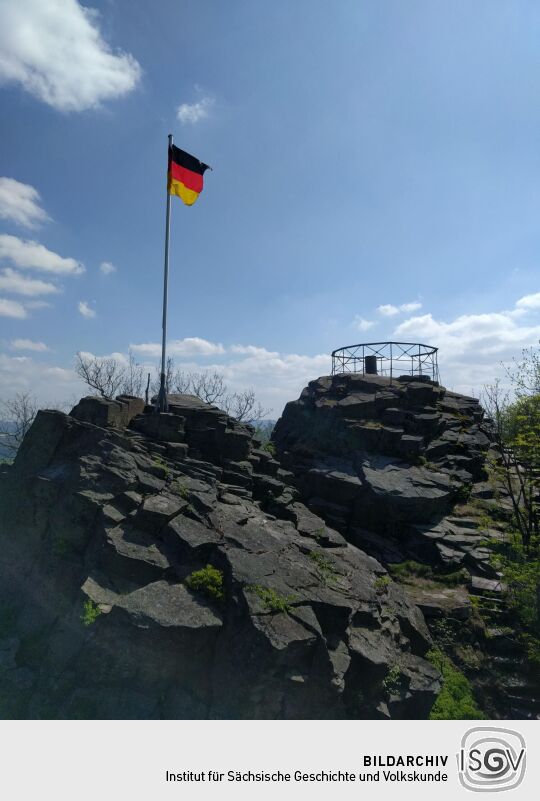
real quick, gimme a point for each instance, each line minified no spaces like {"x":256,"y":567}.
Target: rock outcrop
{"x":398,"y":468}
{"x":164,"y":565}
{"x":384,"y":462}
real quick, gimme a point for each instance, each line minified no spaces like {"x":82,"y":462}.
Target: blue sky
{"x":375,"y":176}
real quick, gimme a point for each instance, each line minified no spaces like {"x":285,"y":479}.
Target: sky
{"x":375,"y":176}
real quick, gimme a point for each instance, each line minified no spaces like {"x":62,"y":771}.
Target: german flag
{"x":185,"y":175}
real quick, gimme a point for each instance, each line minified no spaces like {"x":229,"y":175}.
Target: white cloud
{"x":86,"y":310}
{"x":30,"y":255}
{"x":389,"y":310}
{"x":12,"y":308}
{"x":361,"y":324}
{"x":12,"y":281}
{"x":276,"y":377}
{"x":529,"y":302}
{"x":20,"y":203}
{"x":28,"y":344}
{"x":472,"y":347}
{"x":51,"y":384}
{"x":106,"y":267}
{"x":191,"y":113}
{"x":55,"y":51}
{"x":190,"y":346}
{"x":253,"y":350}
{"x":410,"y":307}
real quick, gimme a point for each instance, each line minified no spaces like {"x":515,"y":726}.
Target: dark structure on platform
{"x":390,"y":359}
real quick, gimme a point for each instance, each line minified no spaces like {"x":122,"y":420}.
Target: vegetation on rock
{"x":90,"y":613}
{"x":455,"y":701}
{"x":271,"y":599}
{"x":208,"y":581}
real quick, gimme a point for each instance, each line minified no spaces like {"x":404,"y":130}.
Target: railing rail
{"x":390,"y":359}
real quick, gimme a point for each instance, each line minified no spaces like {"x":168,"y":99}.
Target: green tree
{"x":516,"y":418}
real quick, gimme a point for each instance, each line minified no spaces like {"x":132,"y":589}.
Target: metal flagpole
{"x":162,"y":395}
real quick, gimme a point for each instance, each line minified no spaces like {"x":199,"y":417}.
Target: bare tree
{"x":134,"y":377}
{"x":181,"y":382}
{"x":18,"y":415}
{"x":104,"y":376}
{"x":209,"y":387}
{"x":245,"y":407}
{"x":109,"y":377}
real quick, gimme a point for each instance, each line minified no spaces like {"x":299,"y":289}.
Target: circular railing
{"x":391,"y":359}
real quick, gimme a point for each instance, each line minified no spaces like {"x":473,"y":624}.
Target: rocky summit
{"x":165,"y":565}
{"x":162,"y":566}
{"x":400,"y":469}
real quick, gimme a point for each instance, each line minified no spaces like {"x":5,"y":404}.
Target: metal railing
{"x":390,"y":359}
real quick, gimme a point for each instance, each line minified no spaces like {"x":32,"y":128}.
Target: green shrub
{"x":381,"y":584}
{"x":463,"y":493}
{"x":208,"y":581}
{"x":455,"y":701}
{"x":91,"y":612}
{"x":163,"y":468}
{"x":325,"y":567}
{"x":393,"y":680}
{"x":179,"y":487}
{"x":409,"y":568}
{"x":532,"y":645}
{"x":403,"y":571}
{"x":272,"y":600}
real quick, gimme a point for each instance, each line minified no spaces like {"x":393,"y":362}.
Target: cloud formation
{"x":191,"y":113}
{"x":28,"y":344}
{"x":389,"y":310}
{"x":14,"y":282}
{"x":361,"y":324}
{"x":472,"y":347}
{"x":51,"y":384}
{"x":190,"y":346}
{"x":12,"y":308}
{"x":86,"y":310}
{"x":471,"y":350}
{"x":54,"y":50}
{"x":30,"y":255}
{"x":106,"y":267}
{"x":19,"y":203}
{"x":529,"y":301}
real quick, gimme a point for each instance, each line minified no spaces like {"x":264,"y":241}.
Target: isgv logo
{"x":491,"y":760}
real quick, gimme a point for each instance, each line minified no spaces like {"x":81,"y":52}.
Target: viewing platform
{"x":388,"y":359}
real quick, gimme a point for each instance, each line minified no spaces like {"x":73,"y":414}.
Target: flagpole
{"x":162,"y":395}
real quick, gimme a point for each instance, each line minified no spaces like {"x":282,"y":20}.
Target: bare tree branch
{"x":105,"y":376}
{"x":245,"y":407}
{"x":18,"y":415}
{"x":181,"y":382}
{"x":109,"y":377}
{"x":209,"y":387}
{"x":134,"y":378}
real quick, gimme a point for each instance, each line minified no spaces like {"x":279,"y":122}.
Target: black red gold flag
{"x":185,"y":175}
